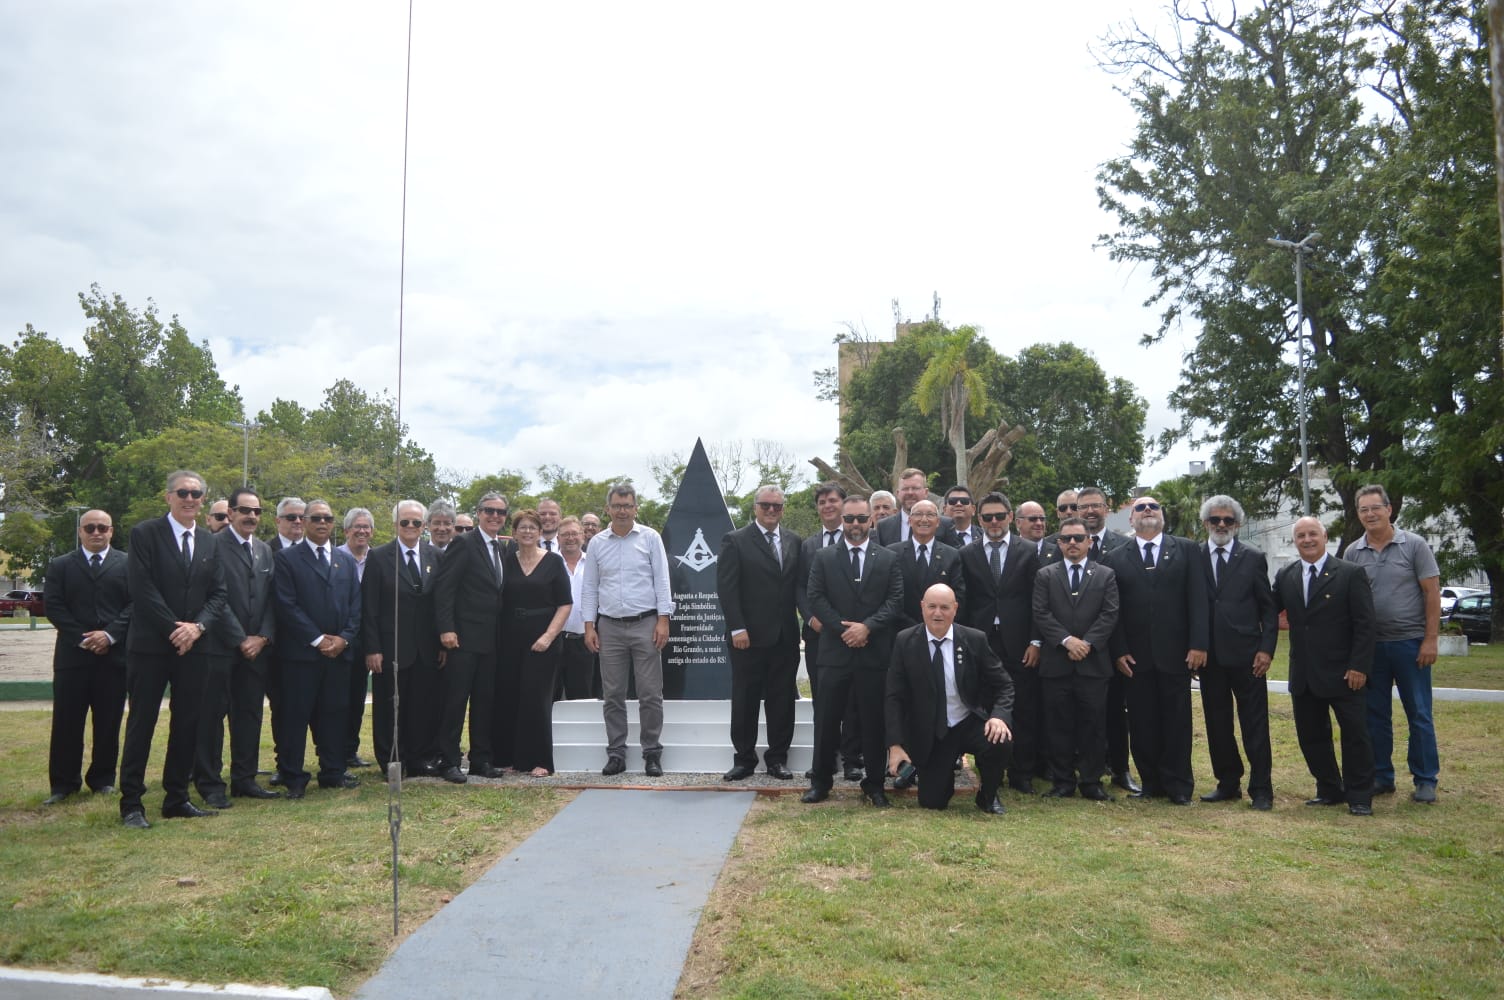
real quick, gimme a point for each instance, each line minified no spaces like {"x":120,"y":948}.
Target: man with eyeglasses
{"x":999,"y":573}
{"x":959,"y":508}
{"x":1075,"y":606}
{"x":627,"y":606}
{"x":1065,"y":505}
{"x":88,"y":598}
{"x":177,"y":595}
{"x":1032,"y":526}
{"x":1159,"y":644}
{"x":829,"y":497}
{"x":913,"y":486}
{"x":218,"y":516}
{"x":467,"y":614}
{"x":590,"y":526}
{"x":856,"y":591}
{"x":440,"y":525}
{"x":401,"y":642}
{"x":359,"y":527}
{"x":755,"y":575}
{"x":239,"y":652}
{"x":1407,"y":598}
{"x":924,"y":560}
{"x":1243,"y":628}
{"x":289,"y":523}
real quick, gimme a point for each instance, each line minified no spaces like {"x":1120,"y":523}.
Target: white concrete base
{"x":696,"y":736}
{"x":27,"y":984}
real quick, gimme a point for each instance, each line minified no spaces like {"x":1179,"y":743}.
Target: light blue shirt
{"x":626,"y":575}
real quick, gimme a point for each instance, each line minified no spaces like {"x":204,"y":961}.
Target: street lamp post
{"x":1301,"y":249}
{"x":247,"y":426}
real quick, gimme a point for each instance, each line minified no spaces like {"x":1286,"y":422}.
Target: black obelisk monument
{"x":696,"y":662}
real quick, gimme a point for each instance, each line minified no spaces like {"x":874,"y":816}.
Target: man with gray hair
{"x":290,"y":526}
{"x":627,"y":606}
{"x":1243,"y":629}
{"x":441,"y":524}
{"x":1407,"y":601}
{"x":884,"y":505}
{"x":359,"y":525}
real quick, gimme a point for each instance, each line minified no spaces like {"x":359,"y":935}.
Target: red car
{"x":29,"y":601}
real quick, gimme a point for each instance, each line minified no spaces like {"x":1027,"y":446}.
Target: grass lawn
{"x":1482,"y":667}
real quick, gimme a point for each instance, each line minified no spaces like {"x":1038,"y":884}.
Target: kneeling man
{"x":948,"y":694}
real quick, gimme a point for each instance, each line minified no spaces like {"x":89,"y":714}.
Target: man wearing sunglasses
{"x":178,"y":595}
{"x":289,"y":523}
{"x":88,"y":598}
{"x":1032,"y":526}
{"x":239,"y":654}
{"x":1244,"y":629}
{"x":1159,"y":644}
{"x":467,"y":614}
{"x":219,"y":516}
{"x":856,"y":591}
{"x":755,"y":576}
{"x":959,"y":508}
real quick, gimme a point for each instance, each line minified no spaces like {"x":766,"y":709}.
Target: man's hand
{"x":592,"y":638}
{"x":373,"y":662}
{"x":1355,"y":680}
{"x":856,"y":634}
{"x":184,"y":636}
{"x":1427,"y":655}
{"x":1125,"y":664}
{"x":660,"y":632}
{"x":741,"y":640}
{"x":332,"y":646}
{"x":451,"y":640}
{"x":896,"y":758}
{"x":814,"y":623}
{"x":1195,"y":659}
{"x":252,"y":645}
{"x":1076,"y":649}
{"x":96,"y":642}
{"x":1031,"y":656}
{"x":1261,"y":662}
{"x":997,"y":731}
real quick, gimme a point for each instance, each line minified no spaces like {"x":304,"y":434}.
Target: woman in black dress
{"x":535,"y":599}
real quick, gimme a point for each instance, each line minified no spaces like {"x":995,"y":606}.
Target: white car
{"x":1449,"y":596}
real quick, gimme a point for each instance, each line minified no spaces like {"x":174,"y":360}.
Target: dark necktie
{"x":938,"y":660}
{"x":323,"y":559}
{"x":773,"y":543}
{"x":922,"y":563}
{"x":830,"y":537}
{"x":856,"y":564}
{"x":1310,"y":585}
{"x":995,"y":561}
{"x":187,"y":549}
{"x":1096,"y":549}
{"x":548,"y":544}
{"x":1221,"y":564}
{"x":412,"y":568}
{"x":1148,"y":555}
{"x":1075,"y":579}
{"x":250,"y":553}
{"x":496,"y":547}
{"x":94,"y":562}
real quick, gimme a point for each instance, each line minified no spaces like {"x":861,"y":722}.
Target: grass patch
{"x":1069,"y":899}
{"x":1482,"y":667}
{"x":274,"y":892}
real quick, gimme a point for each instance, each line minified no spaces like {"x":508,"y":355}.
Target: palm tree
{"x":951,"y":383}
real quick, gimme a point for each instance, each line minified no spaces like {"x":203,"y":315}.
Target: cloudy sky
{"x":627,"y":225}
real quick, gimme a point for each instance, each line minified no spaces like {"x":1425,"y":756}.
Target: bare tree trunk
{"x":1496,"y":66}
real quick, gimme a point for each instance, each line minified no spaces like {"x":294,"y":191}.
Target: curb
{"x":28,"y":984}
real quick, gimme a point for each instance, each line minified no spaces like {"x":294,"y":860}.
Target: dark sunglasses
{"x":1222,"y":522}
{"x":958,"y":501}
{"x":764,"y":505}
{"x":185,"y":494}
{"x":248,"y":510}
{"x":218,"y":516}
{"x":319,"y":518}
{"x":494,"y":511}
{"x":989,"y":518}
{"x":1139,"y":508}
{"x":1064,"y":507}
{"x":462,"y":528}
{"x":1031,"y":517}
{"x":856,"y":518}
{"x":410,"y":522}
{"x":96,"y":529}
{"x":291,"y":517}
{"x":1073,"y":539}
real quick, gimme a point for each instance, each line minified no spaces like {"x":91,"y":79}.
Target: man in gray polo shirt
{"x":1407,"y":600}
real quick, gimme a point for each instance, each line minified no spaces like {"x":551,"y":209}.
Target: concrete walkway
{"x":602,"y":901}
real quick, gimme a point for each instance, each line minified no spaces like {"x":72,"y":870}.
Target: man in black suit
{"x":828,"y":499}
{"x":318,"y":620}
{"x":289,"y":525}
{"x":177,"y":596}
{"x":1243,"y":628}
{"x":1075,"y":611}
{"x":924,"y":561}
{"x":1159,"y":643}
{"x":961,"y":508}
{"x":755,"y":576}
{"x":88,"y":598}
{"x":467,"y":613}
{"x":1333,"y":629}
{"x":913,"y":486}
{"x":1031,"y":526}
{"x":856,"y":591}
{"x":999,"y":573}
{"x":239,"y":654}
{"x":402,"y":642}
{"x":1091,"y":502}
{"x":948,"y":694}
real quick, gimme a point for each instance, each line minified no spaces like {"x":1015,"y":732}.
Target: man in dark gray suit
{"x":239,"y":654}
{"x":1243,"y":628}
{"x":88,"y":598}
{"x":1333,"y":629}
{"x":913,"y":486}
{"x":755,"y":576}
{"x":1075,"y":611}
{"x":828,"y":499}
{"x":924,"y":561}
{"x":856,"y":591}
{"x":178,"y":595}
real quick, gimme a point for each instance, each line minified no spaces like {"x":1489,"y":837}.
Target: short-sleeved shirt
{"x":1395,"y":572}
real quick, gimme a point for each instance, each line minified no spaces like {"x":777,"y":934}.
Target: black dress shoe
{"x":738,"y":772}
{"x":485,"y":771}
{"x":1177,"y":799}
{"x":1142,"y":793}
{"x":1383,"y":789}
{"x":1058,"y":791}
{"x":453,"y":774}
{"x":1322,"y":800}
{"x":343,"y":781}
{"x":994,"y":807}
{"x":105,"y":790}
{"x":879,"y":798}
{"x":614,"y":765}
{"x":1022,"y":787}
{"x":275,"y":780}
{"x":815,"y":795}
{"x":652,"y":766}
{"x":1360,"y":809}
{"x":254,"y":791}
{"x":809,"y":774}
{"x":55,"y":798}
{"x":296,"y":791}
{"x":1123,"y":780}
{"x":854,"y":773}
{"x":1263,"y":803}
{"x":186,"y":810}
{"x":1096,"y":793}
{"x":780,"y":771}
{"x":136,"y":820}
{"x":1222,"y":795}
{"x":217,"y":800}
{"x":357,"y":761}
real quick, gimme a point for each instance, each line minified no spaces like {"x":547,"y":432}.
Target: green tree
{"x":950,"y":383}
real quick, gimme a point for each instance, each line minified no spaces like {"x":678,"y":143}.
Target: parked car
{"x":1449,"y":596}
{"x":27,"y":600}
{"x":1475,"y":614}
